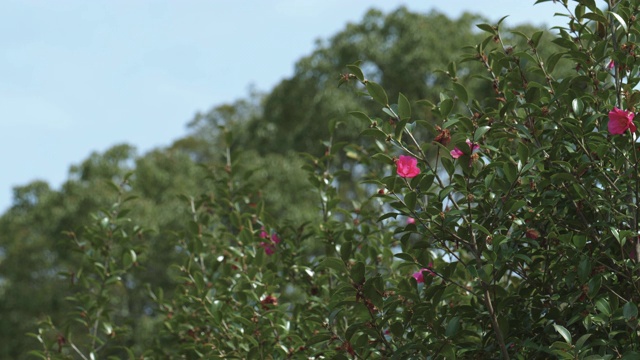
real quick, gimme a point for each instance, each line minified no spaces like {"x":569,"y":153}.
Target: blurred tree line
{"x":271,"y":129}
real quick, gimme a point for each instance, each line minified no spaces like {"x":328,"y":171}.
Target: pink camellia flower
{"x":411,"y":220}
{"x":611,"y":65}
{"x":419,"y":276}
{"x":620,"y":121}
{"x":269,"y":248}
{"x":456,"y":153}
{"x":407,"y":166}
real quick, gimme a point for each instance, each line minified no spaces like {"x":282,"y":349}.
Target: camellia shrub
{"x":508,"y":229}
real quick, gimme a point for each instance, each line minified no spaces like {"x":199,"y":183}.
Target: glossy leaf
{"x":566,"y":335}
{"x":377,"y":93}
{"x":404,"y":107}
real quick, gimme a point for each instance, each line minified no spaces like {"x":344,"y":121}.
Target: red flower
{"x":456,"y":153}
{"x":532,"y":234}
{"x":407,"y":166}
{"x":268,"y":300}
{"x":620,"y":121}
{"x":269,"y":248}
{"x":419,"y":276}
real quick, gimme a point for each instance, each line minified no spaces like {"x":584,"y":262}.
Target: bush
{"x":510,"y":229}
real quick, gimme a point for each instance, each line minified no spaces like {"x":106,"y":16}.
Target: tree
{"x":313,"y":267}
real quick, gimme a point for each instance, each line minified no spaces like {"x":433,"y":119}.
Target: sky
{"x":80,"y":76}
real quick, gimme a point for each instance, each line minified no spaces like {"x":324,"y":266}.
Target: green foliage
{"x":532,"y":238}
{"x":108,"y":250}
{"x":486,"y":210}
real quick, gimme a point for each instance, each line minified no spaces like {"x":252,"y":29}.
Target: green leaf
{"x":377,"y":93}
{"x":501,"y":20}
{"x":480,"y":132}
{"x":107,"y":328}
{"x":444,"y":193}
{"x":361,"y":116}
{"x":386,"y":216}
{"x":448,"y":352}
{"x":472,"y":271}
{"x":552,"y":60}
{"x":523,"y":257}
{"x":578,"y":106}
{"x":405,"y":257}
{"x":523,"y":152}
{"x":452,"y":69}
{"x":446,"y":106}
{"x":426,"y":182}
{"x":565,"y":43}
{"x":510,"y":172}
{"x":628,"y":355}
{"x":630,"y":311}
{"x":383,"y":158}
{"x":563,"y":332}
{"x":579,"y":241}
{"x":400,"y":126}
{"x":389,"y":111}
{"x":345,"y":251}
{"x":615,"y":234}
{"x":535,"y":38}
{"x":356,"y":71}
{"x":410,"y":200}
{"x":579,"y":11}
{"x":453,"y":326}
{"x":448,"y":165}
{"x":332,"y":263}
{"x":581,"y":341}
{"x":594,"y":286}
{"x":372,"y":290}
{"x":129,"y":258}
{"x":113,"y":280}
{"x":620,"y":20}
{"x":488,"y":28}
{"x":480,"y":228}
{"x":603,"y":306}
{"x":584,"y":269}
{"x":318,"y":339}
{"x":404,"y":107}
{"x":461,"y":92}
{"x":353,"y":329}
{"x":397,"y":329}
{"x":374,"y":132}
{"x":596,"y":17}
{"x":357,"y":272}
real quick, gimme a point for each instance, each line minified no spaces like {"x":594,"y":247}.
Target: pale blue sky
{"x":78,"y":76}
